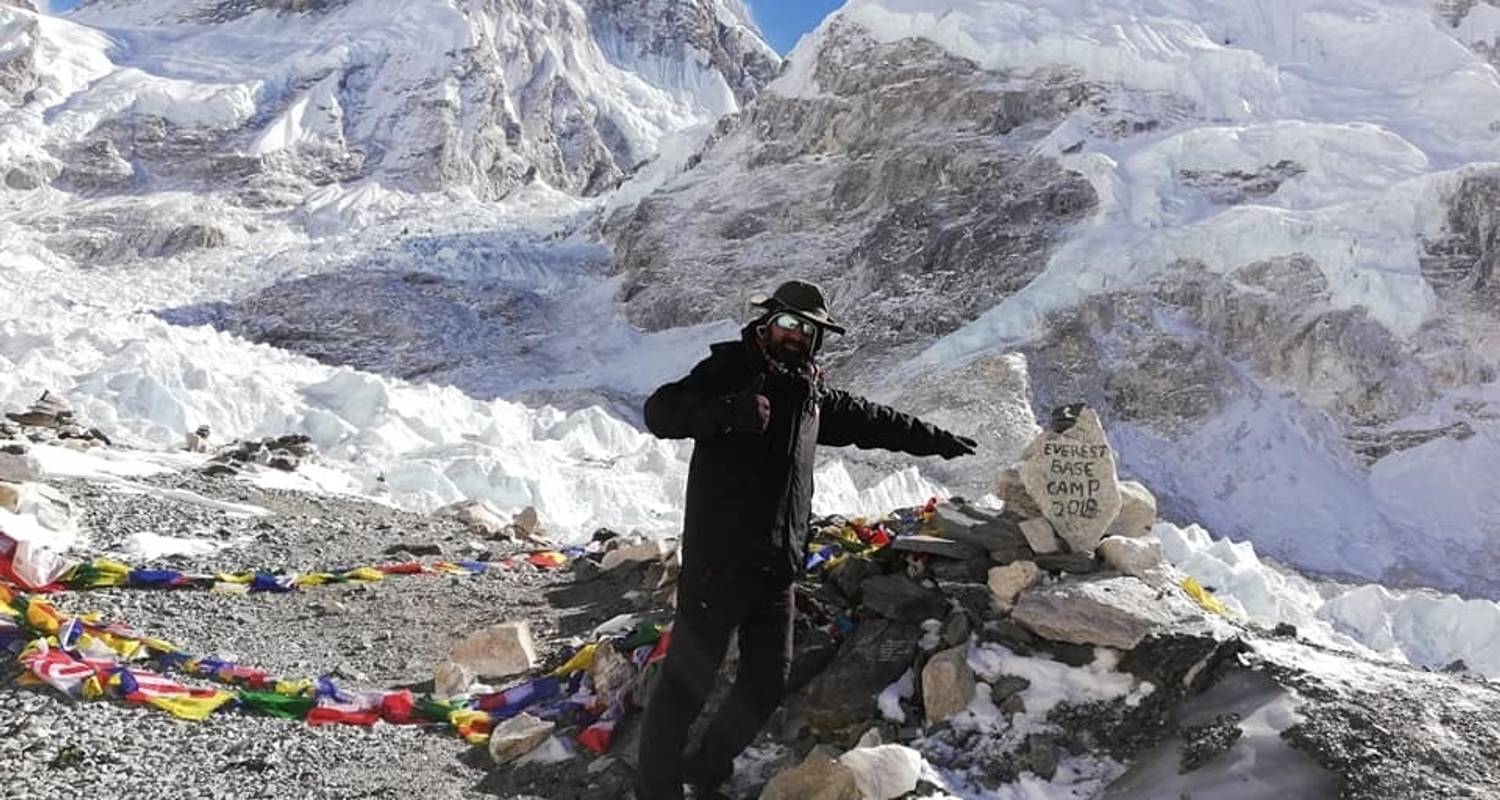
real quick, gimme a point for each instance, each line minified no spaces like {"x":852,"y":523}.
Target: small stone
{"x":947,"y":569}
{"x":610,"y":671}
{"x":518,"y":736}
{"x":451,"y":679}
{"x":1011,"y":491}
{"x":196,"y":441}
{"x":1040,"y":536}
{"x":1007,"y":686}
{"x":948,"y":684}
{"x":19,"y":467}
{"x":957,"y":628}
{"x":1007,"y":582}
{"x":898,"y":597}
{"x":412,"y":548}
{"x":1074,"y":655}
{"x":643,"y":549}
{"x":1137,"y":556}
{"x":937,"y":546}
{"x":527,"y":525}
{"x":480,"y":516}
{"x":819,"y":777}
{"x":884,"y":771}
{"x":1074,"y":563}
{"x":497,"y":651}
{"x":1013,"y":705}
{"x":1007,"y":632}
{"x":1137,"y":511}
{"x":848,"y":574}
{"x":10,"y":497}
{"x":220,"y":470}
{"x":1039,"y":756}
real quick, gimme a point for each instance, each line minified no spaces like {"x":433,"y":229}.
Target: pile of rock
{"x":891,"y":625}
{"x":51,"y":420}
{"x":1067,"y":567}
{"x":285,"y":453}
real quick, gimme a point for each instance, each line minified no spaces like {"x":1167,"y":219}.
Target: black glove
{"x":750,"y":411}
{"x":951,"y":445}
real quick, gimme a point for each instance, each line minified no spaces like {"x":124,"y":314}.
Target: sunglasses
{"x":792,"y":322}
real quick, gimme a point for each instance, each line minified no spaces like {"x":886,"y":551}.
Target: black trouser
{"x":710,"y":606}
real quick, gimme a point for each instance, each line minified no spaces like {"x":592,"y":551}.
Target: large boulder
{"x":1071,"y":474}
{"x":498,"y":651}
{"x":1116,"y":612}
{"x":869,"y":661}
{"x":948,"y":684}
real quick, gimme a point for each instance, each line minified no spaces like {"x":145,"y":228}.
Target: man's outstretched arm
{"x":691,"y":408}
{"x":852,"y":420}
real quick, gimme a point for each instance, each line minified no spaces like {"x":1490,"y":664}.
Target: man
{"x":757,"y":409}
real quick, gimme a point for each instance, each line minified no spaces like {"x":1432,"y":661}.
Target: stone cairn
{"x":1066,"y":569}
{"x":50,"y":420}
{"x":285,"y":453}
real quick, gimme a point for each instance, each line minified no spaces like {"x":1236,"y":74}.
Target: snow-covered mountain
{"x":162,"y":156}
{"x":1257,"y":239}
{"x":456,"y":242}
{"x":1260,"y":246}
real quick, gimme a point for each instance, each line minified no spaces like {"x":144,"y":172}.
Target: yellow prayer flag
{"x":1204,"y":597}
{"x":196,"y":709}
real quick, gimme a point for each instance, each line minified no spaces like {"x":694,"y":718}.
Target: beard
{"x":791,"y":351}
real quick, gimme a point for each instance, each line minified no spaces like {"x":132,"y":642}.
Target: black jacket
{"x":749,"y":495}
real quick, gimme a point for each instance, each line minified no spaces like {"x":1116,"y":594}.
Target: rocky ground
{"x":1359,"y":729}
{"x":372,"y":635}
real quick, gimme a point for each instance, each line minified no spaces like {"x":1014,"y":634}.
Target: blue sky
{"x":782,"y":21}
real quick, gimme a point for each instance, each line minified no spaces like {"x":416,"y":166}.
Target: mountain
{"x":454,"y":244}
{"x":1263,"y":252}
{"x":1262,"y":247}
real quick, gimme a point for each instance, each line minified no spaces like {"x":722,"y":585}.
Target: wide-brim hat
{"x":802,"y":298}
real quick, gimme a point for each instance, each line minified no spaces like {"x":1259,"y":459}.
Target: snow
{"x":1052,"y":683}
{"x":150,"y":546}
{"x":1258,"y":764}
{"x":1367,"y":150}
{"x":890,"y":698}
{"x":1423,"y":628}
